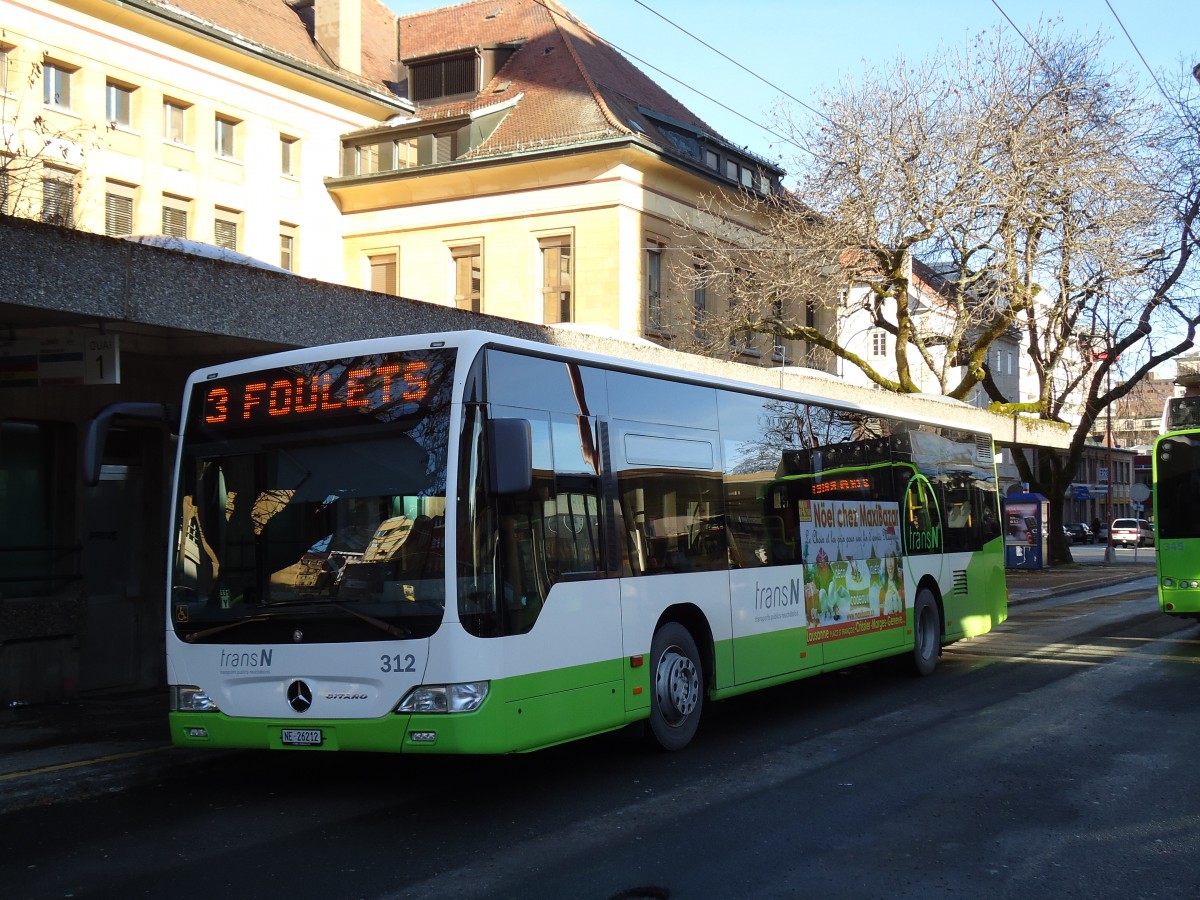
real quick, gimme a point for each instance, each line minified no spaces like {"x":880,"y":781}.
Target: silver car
{"x":1132,"y":532}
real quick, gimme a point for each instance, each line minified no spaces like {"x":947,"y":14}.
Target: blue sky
{"x":798,"y":46}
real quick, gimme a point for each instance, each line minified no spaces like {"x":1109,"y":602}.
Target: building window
{"x":225,"y":229}
{"x":118,"y":209}
{"x":712,"y":160}
{"x":445,"y":78}
{"x":175,"y":121}
{"x":654,"y":293}
{"x":175,"y":216}
{"x":118,"y":104}
{"x":5,"y":60}
{"x":379,"y":156}
{"x":700,"y":298}
{"x":56,"y":85}
{"x":879,"y":343}
{"x":778,"y":351}
{"x":747,"y":178}
{"x":468,"y":276}
{"x":225,"y":143}
{"x":58,"y":198}
{"x":4,"y":191}
{"x":731,"y":169}
{"x":287,"y":246}
{"x":385,"y":269}
{"x":289,"y":155}
{"x":557,"y":279}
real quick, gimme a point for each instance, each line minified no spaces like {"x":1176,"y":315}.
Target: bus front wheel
{"x":927,"y":632}
{"x":677,"y":689}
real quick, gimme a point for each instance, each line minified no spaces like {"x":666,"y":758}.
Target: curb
{"x":1084,"y":583}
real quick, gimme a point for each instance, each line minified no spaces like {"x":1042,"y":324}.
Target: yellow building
{"x":498,"y":158}
{"x":209,"y":120}
{"x":493,"y":157}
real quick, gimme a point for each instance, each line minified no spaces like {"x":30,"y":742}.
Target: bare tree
{"x":40,"y":161}
{"x":1048,"y":192}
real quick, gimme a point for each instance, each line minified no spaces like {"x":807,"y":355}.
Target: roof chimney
{"x":338,"y":24}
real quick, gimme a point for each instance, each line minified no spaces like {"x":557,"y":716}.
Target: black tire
{"x":927,"y":633}
{"x":676,"y":687}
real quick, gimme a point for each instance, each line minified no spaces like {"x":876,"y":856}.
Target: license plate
{"x":301,"y":737}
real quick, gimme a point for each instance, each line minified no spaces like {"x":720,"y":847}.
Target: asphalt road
{"x":1051,"y":757}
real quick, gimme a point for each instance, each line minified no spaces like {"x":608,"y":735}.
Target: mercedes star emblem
{"x":299,"y":697}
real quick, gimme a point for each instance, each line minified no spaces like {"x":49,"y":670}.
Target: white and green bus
{"x":465,"y":543}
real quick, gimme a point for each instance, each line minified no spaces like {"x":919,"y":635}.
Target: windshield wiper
{"x":217,"y":629}
{"x":393,"y":630}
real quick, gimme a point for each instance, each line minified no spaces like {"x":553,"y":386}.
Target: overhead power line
{"x":728,"y":58}
{"x":690,"y":87}
{"x":1138,"y":51}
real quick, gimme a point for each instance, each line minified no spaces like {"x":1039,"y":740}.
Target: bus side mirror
{"x":510,"y":445}
{"x":97,"y":430}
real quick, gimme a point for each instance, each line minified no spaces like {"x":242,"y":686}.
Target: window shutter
{"x":118,"y":215}
{"x":58,"y":201}
{"x":225,"y":234}
{"x":383,"y":274}
{"x":174,"y":222}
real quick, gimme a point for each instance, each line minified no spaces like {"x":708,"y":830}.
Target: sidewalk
{"x":68,"y":751}
{"x":1025,"y":585}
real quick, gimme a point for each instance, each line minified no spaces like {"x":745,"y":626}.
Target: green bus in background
{"x":1177,"y":522}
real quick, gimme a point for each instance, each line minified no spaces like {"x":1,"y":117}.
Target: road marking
{"x":132,"y":754}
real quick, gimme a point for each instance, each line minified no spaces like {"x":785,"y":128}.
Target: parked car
{"x":1080,"y":533}
{"x":1132,"y":532}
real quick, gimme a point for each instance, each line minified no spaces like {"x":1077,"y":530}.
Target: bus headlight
{"x":1168,"y":582}
{"x":444,"y":698}
{"x":189,"y":698}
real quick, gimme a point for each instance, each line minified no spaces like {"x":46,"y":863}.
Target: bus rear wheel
{"x":927,"y":633}
{"x":677,"y":688}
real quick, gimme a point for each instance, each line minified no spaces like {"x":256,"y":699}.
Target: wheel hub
{"x":677,"y":685}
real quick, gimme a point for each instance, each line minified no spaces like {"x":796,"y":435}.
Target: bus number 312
{"x":398,"y":663}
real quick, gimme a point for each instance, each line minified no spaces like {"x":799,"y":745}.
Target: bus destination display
{"x":385,"y":387}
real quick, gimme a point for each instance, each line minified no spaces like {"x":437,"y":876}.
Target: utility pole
{"x":1108,"y":439}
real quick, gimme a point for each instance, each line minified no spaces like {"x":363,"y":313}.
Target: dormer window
{"x":447,"y":77}
{"x":368,"y":155}
{"x":457,"y":75}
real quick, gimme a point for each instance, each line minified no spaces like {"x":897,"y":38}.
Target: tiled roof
{"x":275,"y":25}
{"x":574,"y":87}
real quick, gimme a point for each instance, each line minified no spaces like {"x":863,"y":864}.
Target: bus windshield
{"x":329,"y":532}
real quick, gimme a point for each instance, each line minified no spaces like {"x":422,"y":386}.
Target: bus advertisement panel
{"x":854,"y":580}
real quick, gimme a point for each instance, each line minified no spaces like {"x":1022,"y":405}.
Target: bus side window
{"x":779,"y":527}
{"x":551,"y":532}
